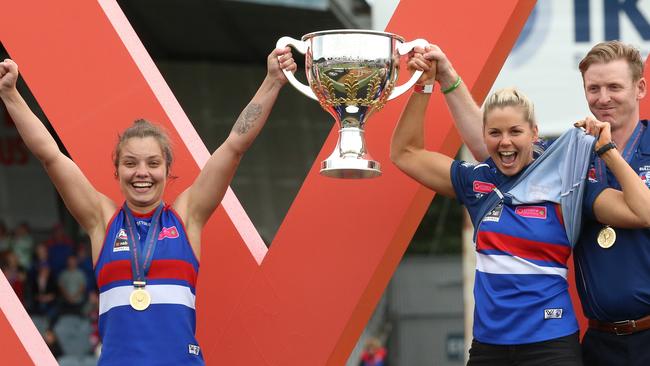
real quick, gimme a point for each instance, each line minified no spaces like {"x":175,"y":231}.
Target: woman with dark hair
{"x":146,"y":252}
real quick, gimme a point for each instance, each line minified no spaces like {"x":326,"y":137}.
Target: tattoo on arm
{"x":247,"y":118}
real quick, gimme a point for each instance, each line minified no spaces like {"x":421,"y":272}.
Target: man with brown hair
{"x":612,"y":265}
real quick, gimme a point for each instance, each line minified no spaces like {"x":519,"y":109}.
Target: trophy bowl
{"x":352,"y":74}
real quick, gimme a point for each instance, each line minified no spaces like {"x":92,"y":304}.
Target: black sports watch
{"x":605,"y":148}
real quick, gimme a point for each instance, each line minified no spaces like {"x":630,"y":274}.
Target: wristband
{"x":453,"y":87}
{"x":605,"y":148}
{"x":423,"y":89}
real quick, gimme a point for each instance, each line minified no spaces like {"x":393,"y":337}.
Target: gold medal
{"x":140,"y":299}
{"x":606,"y":237}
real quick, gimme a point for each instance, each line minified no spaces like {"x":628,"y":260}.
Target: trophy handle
{"x":403,"y":49}
{"x":301,"y":47}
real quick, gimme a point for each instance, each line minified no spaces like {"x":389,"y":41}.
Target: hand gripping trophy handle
{"x":302,"y":47}
{"x":403,"y":49}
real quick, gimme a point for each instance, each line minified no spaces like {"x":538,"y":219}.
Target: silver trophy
{"x":352,"y":74}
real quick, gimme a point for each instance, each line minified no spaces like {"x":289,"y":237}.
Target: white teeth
{"x":507,"y":153}
{"x":142,"y":185}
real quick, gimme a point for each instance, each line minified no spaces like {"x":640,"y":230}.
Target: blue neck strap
{"x":140,"y":262}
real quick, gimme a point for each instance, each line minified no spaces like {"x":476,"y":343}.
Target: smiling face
{"x":509,"y":138}
{"x":142,"y":173}
{"x":612,"y":94}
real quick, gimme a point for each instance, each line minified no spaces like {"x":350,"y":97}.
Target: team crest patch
{"x":168,"y":232}
{"x":495,"y":214}
{"x":482,"y":187}
{"x":121,"y":242}
{"x":534,"y":212}
{"x":552,"y":313}
{"x":591,"y":175}
{"x":193,"y":349}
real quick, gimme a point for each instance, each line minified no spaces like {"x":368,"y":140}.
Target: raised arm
{"x":89,"y":207}
{"x":629,"y":208}
{"x":197,"y":203}
{"x":466,"y":113}
{"x":407,"y":151}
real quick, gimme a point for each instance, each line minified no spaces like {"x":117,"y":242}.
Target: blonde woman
{"x":523,"y":312}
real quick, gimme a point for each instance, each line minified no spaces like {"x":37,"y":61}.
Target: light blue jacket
{"x":558,"y":175}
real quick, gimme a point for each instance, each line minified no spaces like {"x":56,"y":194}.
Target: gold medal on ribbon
{"x":140,"y":299}
{"x":606,"y":237}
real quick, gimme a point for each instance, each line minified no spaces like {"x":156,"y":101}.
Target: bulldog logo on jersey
{"x":168,"y":232}
{"x":121,"y":242}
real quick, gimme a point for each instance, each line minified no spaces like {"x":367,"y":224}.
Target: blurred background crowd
{"x":52,"y":275}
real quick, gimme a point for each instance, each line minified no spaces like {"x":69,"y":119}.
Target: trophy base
{"x":350,"y":168}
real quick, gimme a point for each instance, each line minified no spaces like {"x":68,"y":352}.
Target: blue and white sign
{"x":544,"y":61}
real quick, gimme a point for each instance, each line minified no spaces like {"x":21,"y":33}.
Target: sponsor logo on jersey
{"x":143,"y":223}
{"x":495,"y":214}
{"x":121,"y":243}
{"x":193,"y":349}
{"x":534,"y":212}
{"x":552,"y":313}
{"x":168,"y":232}
{"x":482,"y":187}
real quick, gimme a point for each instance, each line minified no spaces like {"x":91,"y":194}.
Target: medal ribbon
{"x":140,"y":263}
{"x":630,"y":148}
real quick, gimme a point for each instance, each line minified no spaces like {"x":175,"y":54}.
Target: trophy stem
{"x":350,"y":159}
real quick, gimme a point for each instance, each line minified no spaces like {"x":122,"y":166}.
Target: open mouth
{"x":141,"y":186}
{"x":507,"y":157}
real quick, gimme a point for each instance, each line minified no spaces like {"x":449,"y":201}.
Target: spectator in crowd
{"x":72,"y":286}
{"x":374,"y":354}
{"x":91,"y":311}
{"x":15,"y":274}
{"x":60,"y":247}
{"x":85,"y":262}
{"x":5,"y":239}
{"x":53,"y":343}
{"x":23,"y":244}
{"x":43,"y":292}
{"x":41,"y":257}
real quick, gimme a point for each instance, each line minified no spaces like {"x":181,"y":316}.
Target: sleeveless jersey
{"x":162,"y":334}
{"x":521,"y":291}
